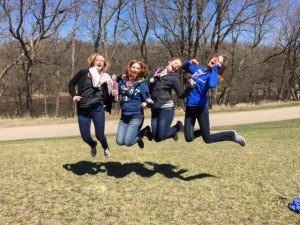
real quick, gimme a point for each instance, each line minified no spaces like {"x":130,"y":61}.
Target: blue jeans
{"x":129,"y":130}
{"x":192,"y":113}
{"x":161,"y":120}
{"x":85,"y":116}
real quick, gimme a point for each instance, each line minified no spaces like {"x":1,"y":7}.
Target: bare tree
{"x":138,"y":25}
{"x":30,"y":23}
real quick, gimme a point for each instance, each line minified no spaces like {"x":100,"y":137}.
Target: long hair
{"x":142,"y":74}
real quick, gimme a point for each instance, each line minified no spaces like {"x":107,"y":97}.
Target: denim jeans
{"x":161,"y":120}
{"x":129,"y":130}
{"x":202,"y":115}
{"x":95,"y":113}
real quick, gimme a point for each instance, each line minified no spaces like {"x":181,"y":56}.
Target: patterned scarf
{"x":99,"y":79}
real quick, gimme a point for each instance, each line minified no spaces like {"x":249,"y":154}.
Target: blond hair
{"x":92,"y":58}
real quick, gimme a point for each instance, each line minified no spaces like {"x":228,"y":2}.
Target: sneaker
{"x":94,"y":150}
{"x":141,"y":143}
{"x":179,"y":126}
{"x":239,"y":139}
{"x":175,"y":136}
{"x":148,"y":133}
{"x":107,"y":153}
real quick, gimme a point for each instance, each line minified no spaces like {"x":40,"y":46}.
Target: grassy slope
{"x":55,"y":181}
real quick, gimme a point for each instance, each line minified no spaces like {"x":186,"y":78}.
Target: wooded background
{"x":44,"y":43}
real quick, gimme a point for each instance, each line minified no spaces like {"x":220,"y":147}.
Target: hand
{"x":194,"y":62}
{"x":149,"y":101}
{"x":192,"y":83}
{"x":76,"y":99}
{"x":144,"y":105}
{"x":114,"y":92}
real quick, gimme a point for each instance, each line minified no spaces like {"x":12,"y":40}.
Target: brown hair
{"x":92,"y":58}
{"x":224,"y":65}
{"x":144,"y":69}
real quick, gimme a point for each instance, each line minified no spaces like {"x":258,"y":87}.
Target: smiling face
{"x":174,"y":66}
{"x":135,"y":70}
{"x":215,"y":60}
{"x":99,"y":63}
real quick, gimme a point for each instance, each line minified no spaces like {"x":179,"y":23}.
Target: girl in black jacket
{"x":94,"y":87}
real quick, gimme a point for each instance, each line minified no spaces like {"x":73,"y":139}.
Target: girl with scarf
{"x":93,"y":98}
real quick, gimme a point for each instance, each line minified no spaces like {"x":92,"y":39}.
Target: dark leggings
{"x":202,"y":115}
{"x":85,"y":116}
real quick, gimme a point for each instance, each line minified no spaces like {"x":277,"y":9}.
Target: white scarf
{"x":100,"y":78}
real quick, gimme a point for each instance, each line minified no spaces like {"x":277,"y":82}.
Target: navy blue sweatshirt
{"x":132,"y":97}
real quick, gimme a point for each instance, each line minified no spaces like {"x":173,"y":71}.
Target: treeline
{"x":44,"y":43}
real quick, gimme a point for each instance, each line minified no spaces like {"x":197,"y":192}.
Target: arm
{"x":214,"y":78}
{"x":73,"y":82}
{"x":190,"y":66}
{"x":180,"y":92}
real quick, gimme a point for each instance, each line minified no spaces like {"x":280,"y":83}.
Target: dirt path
{"x":217,"y":119}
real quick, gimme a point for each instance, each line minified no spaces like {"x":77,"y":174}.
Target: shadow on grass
{"x":119,"y":170}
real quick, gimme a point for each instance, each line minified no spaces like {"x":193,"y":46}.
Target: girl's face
{"x":99,"y":63}
{"x":174,"y":65}
{"x":216,"y":60}
{"x":135,"y":69}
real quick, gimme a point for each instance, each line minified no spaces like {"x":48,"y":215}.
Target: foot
{"x":179,"y":126}
{"x":148,"y":133}
{"x":94,"y":150}
{"x":107,"y":153}
{"x":141,"y":143}
{"x":239,"y":139}
{"x":175,"y":136}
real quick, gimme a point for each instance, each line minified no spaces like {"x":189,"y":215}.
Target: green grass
{"x":55,"y":181}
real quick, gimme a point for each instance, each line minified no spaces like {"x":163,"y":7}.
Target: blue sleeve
{"x":190,"y":68}
{"x":214,"y":78}
{"x":145,"y":91}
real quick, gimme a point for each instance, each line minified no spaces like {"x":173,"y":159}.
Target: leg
{"x":165,"y":120}
{"x":205,"y":130}
{"x":189,"y":123}
{"x":154,"y":122}
{"x":133,"y":133}
{"x":98,"y":117}
{"x":84,"y":121}
{"x":122,"y":128}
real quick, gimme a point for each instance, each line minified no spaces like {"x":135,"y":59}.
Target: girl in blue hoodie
{"x":205,"y":78}
{"x":134,"y":97}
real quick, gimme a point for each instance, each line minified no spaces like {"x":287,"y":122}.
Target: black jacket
{"x":96,"y":95}
{"x":161,"y":87}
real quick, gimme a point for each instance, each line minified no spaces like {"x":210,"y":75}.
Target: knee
{"x":119,"y":142}
{"x":206,"y":140}
{"x":188,"y":139}
{"x":128,"y":143}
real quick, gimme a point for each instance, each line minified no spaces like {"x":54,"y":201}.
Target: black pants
{"x":202,"y":115}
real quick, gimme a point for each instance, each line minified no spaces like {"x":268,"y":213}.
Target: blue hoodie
{"x":131,"y":99}
{"x":204,"y":81}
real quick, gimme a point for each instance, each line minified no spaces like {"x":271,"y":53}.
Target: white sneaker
{"x":107,"y":153}
{"x":239,"y":139}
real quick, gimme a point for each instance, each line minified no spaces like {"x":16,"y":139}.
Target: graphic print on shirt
{"x":127,"y":93}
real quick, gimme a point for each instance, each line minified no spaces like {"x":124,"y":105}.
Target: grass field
{"x":55,"y":181}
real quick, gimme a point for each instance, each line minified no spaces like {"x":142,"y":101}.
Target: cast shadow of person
{"x":119,"y":170}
